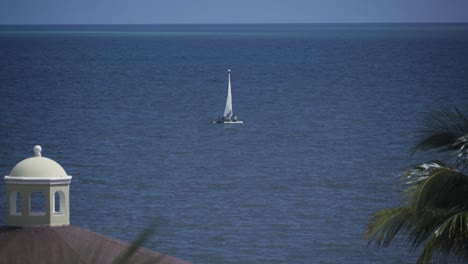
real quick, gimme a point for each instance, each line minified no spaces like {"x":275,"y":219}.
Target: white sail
{"x":228,"y":117}
{"x":228,"y":108}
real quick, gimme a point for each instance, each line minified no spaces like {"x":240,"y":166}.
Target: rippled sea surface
{"x":329,"y":111}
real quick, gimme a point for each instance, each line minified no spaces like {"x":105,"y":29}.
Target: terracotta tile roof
{"x":69,"y":244}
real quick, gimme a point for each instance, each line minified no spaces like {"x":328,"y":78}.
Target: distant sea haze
{"x":330,"y":113}
{"x":311,"y":29}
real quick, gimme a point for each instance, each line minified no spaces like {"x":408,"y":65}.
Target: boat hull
{"x":227,"y":122}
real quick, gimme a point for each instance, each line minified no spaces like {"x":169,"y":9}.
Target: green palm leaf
{"x":436,"y":200}
{"x":445,"y":188}
{"x":445,"y":130}
{"x":386,"y":224}
{"x":434,"y":215}
{"x":450,"y":240}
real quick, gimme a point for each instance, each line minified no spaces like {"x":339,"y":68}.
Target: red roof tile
{"x":69,"y":244}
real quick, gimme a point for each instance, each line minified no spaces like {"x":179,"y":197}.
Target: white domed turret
{"x":38,"y":166}
{"x":38,"y":192}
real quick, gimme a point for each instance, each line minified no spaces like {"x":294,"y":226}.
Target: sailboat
{"x":228,"y":117}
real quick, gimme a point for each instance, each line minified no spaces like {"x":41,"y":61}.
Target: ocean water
{"x":330,"y":113}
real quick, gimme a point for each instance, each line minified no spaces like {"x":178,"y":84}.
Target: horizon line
{"x":237,"y":23}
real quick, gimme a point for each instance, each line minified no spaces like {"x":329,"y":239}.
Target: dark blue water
{"x":330,"y":112}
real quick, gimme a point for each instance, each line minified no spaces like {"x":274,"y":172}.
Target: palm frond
{"x":435,"y":185}
{"x":127,"y":255}
{"x":461,"y":150}
{"x":445,"y":130}
{"x":416,"y":226}
{"x":449,"y":240}
{"x":434,"y":192}
{"x":444,"y":188}
{"x":427,"y":221}
{"x":415,"y":176}
{"x":434,"y":141}
{"x":434,"y":214}
{"x":420,"y":172}
{"x":384,"y":225}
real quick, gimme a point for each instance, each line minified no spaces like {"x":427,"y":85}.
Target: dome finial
{"x":37,"y":151}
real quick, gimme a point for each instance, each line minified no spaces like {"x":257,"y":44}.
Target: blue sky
{"x":229,"y":11}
